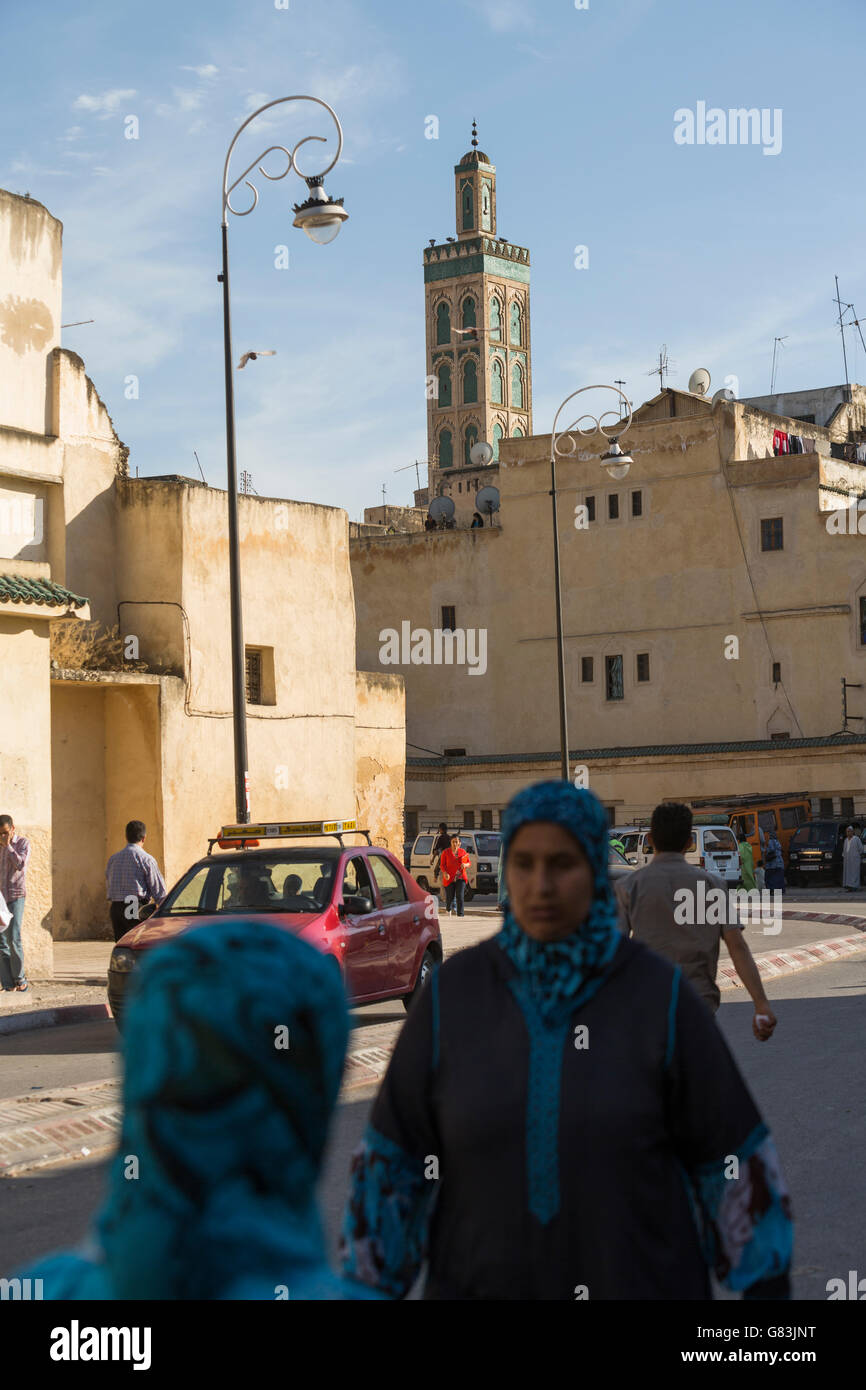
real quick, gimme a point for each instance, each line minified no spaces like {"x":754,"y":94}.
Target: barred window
{"x":643,"y":666}
{"x":613,"y":677}
{"x":587,"y":669}
{"x":254,"y":677}
{"x":772,"y":533}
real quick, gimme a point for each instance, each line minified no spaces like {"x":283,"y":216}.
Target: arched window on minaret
{"x":444,"y":375}
{"x":495,"y":318}
{"x":518,"y":432}
{"x":517,"y":387}
{"x":468,"y":319}
{"x":516,"y":324}
{"x":470,"y":438}
{"x":446,"y":450}
{"x":497,"y":439}
{"x":497,"y":383}
{"x":443,"y":323}
{"x":468,"y":211}
{"x":470,"y":381}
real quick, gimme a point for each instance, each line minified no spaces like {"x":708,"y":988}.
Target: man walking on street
{"x":14,"y":854}
{"x":650,"y":911}
{"x":455,"y":874}
{"x":852,"y":853}
{"x":132,"y":879}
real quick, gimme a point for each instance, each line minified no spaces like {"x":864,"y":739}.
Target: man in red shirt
{"x":454,"y":865}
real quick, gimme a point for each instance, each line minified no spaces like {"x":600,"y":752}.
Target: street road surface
{"x":809,"y":1081}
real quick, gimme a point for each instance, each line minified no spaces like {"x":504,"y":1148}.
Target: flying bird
{"x":251,"y":356}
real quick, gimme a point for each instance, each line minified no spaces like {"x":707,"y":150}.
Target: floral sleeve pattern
{"x":746,"y":1210}
{"x":385,"y":1229}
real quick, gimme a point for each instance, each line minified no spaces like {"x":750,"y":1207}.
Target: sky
{"x":713,"y":249}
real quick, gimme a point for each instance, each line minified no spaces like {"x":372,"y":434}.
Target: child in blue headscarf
{"x":234,"y":1042}
{"x":560,"y":1104}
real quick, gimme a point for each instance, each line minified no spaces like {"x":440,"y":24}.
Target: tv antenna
{"x":200,"y":469}
{"x":776,"y":342}
{"x":246,"y":483}
{"x":852,"y":323}
{"x":77,"y":323}
{"x":415,"y":465}
{"x":664,"y":367}
{"x":619,"y":382}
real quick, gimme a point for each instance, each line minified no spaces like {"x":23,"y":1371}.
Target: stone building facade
{"x":713,"y":602}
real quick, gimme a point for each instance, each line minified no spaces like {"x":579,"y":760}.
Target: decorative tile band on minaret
{"x":479,"y":363}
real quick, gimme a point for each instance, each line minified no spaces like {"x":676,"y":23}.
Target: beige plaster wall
{"x":30,"y":292}
{"x":25,"y":773}
{"x":380,"y":757}
{"x":672,"y":583}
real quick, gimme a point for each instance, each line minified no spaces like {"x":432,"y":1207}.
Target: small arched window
{"x":468,"y":216}
{"x":446,"y":450}
{"x":469,"y":440}
{"x":517,"y":387}
{"x":444,"y":375}
{"x":495,"y":318}
{"x":470,"y":381}
{"x":516,"y":324}
{"x":443,"y":323}
{"x":497,"y":438}
{"x":497,"y":383}
{"x":468,"y":320}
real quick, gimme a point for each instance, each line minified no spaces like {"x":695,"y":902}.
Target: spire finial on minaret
{"x":474,"y":135}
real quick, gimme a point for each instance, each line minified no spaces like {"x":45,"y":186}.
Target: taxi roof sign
{"x":276,"y":830}
{"x":243,"y":836}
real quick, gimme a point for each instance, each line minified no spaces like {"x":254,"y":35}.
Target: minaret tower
{"x":479,"y":365}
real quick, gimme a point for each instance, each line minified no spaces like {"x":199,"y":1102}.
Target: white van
{"x":712,"y":847}
{"x":483,"y":848}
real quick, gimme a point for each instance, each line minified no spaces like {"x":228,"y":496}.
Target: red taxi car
{"x":355,"y":903}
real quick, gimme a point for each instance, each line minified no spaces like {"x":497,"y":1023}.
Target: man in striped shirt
{"x":132,"y":879}
{"x":14,"y":854}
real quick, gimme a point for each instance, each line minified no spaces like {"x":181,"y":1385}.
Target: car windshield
{"x":814,"y":834}
{"x":488,"y":844}
{"x":269,"y":883}
{"x":719,"y":842}
{"x":614,"y":857}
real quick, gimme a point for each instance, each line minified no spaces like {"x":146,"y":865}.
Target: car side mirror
{"x":357,"y":904}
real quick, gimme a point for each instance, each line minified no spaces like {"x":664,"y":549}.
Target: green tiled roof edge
{"x":17,"y":588}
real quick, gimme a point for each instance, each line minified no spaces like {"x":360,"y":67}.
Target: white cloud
{"x":73,"y":132}
{"x":504,"y":16}
{"x":105,"y":105}
{"x":206,"y":71}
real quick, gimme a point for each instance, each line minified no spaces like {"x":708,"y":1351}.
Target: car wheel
{"x":423,"y":883}
{"x":425,"y":969}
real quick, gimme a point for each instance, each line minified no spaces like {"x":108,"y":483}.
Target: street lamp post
{"x":321,"y":218}
{"x":563,"y":444}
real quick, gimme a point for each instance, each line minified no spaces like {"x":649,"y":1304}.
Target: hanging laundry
{"x":809,"y":446}
{"x":861,"y":453}
{"x":780,"y":442}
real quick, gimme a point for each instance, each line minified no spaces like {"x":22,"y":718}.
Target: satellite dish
{"x":726,"y":394}
{"x":441,"y":509}
{"x":488,"y":500}
{"x":699,"y":381}
{"x":481,"y":453}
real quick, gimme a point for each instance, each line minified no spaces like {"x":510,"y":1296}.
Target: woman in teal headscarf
{"x":561,"y":1106}
{"x":234,"y":1042}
